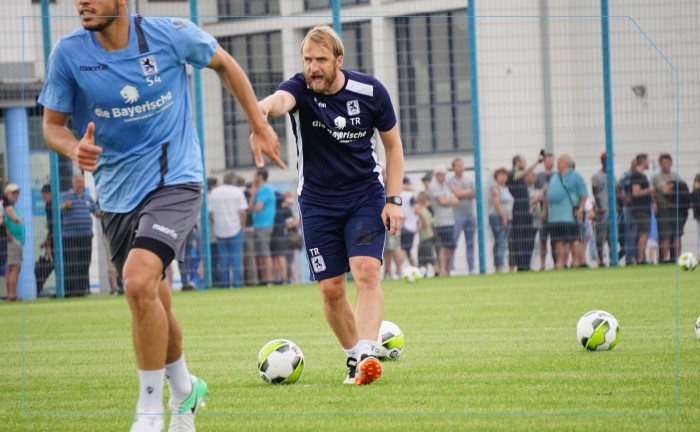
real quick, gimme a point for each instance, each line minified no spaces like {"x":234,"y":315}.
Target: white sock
{"x":179,"y":379}
{"x":364,"y":346}
{"x":353,"y":352}
{"x":150,"y":391}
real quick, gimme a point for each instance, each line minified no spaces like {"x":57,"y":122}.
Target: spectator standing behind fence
{"x":536,"y":198}
{"x":695,"y":204}
{"x":521,"y":233}
{"x":643,"y":201}
{"x":47,"y":244}
{"x":15,"y":239}
{"x":541,"y":185}
{"x":408,"y":229}
{"x":426,"y":234}
{"x":213,"y":183}
{"x":250,"y":264}
{"x":228,"y":210}
{"x":500,"y":217}
{"x":279,"y":247}
{"x":599,"y":185}
{"x":564,"y":207}
{"x":465,"y":221}
{"x":76,"y":208}
{"x":295,"y":240}
{"x":393,"y":251}
{"x":427,"y":179}
{"x":628,"y":230}
{"x":669,"y":236}
{"x":3,"y":232}
{"x":262,"y":205}
{"x":443,"y":202}
{"x":44,"y":265}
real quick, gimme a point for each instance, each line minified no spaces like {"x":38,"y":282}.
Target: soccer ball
{"x":687,"y":261}
{"x":411,"y":274}
{"x":391,"y":341}
{"x":280,"y":361}
{"x":598,"y":331}
{"x":697,"y":328}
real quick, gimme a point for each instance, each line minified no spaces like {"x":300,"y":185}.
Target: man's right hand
{"x":265,"y":141}
{"x":86,"y":153}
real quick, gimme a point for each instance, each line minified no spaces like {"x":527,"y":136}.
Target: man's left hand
{"x":393,"y":215}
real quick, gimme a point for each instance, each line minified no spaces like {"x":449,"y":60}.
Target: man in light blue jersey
{"x":344,"y":204}
{"x":124,"y":81}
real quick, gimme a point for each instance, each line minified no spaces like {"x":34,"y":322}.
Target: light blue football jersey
{"x":139,"y":100}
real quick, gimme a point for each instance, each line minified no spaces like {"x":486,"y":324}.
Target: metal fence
{"x":482,"y":81}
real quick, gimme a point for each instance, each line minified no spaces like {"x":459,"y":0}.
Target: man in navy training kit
{"x":123,"y":79}
{"x":342,"y":200}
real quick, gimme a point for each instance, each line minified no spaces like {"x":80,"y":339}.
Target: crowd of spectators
{"x":546,"y":209}
{"x":534,"y":211}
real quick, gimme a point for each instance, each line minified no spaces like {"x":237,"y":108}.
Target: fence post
{"x":473,"y":70}
{"x":199,"y":115}
{"x":337,"y":25}
{"x":57,"y":229}
{"x":609,"y":147}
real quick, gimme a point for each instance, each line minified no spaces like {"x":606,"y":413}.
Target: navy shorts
{"x":447,"y":236}
{"x":160,"y":224}
{"x":334,"y":231}
{"x":567,"y":232}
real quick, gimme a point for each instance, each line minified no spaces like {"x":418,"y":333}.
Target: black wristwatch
{"x":394,"y":200}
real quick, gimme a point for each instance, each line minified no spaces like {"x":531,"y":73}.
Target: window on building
{"x":233,"y":9}
{"x":326,"y":4}
{"x":357,"y":40}
{"x":434,"y":89}
{"x":260,"y":55}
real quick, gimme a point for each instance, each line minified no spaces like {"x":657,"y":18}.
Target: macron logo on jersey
{"x":96,"y":68}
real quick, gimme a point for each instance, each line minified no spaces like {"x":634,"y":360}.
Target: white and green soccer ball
{"x":687,"y":261}
{"x":598,"y":331}
{"x":411,"y":274}
{"x":391,"y":341}
{"x":280,"y":361}
{"x":697,"y":328}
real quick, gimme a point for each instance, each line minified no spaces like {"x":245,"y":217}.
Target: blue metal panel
{"x":337,"y":26}
{"x":17,"y":133}
{"x":473,"y":72}
{"x":57,"y":228}
{"x":199,"y":113}
{"x":609,"y":145}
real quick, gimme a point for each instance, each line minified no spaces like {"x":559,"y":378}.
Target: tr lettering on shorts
{"x":317,"y":261}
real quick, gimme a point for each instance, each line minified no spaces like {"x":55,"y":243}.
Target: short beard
{"x":325,"y":85}
{"x":98,"y":24}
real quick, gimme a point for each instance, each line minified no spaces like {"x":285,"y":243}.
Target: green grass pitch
{"x":495,"y":352}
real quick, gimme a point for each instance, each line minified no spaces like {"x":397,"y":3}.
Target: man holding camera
{"x":521,"y":240}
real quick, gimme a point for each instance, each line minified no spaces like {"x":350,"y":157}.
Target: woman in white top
{"x":500,"y":216}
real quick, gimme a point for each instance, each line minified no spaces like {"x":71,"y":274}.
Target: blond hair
{"x":327,"y":37}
